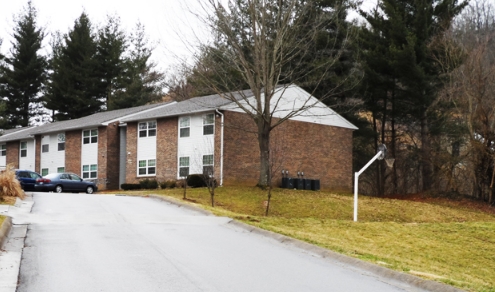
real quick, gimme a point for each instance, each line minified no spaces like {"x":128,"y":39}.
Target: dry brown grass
{"x":9,"y":185}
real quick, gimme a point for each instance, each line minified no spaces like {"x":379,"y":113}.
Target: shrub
{"x":168,"y":184}
{"x":195,"y":181}
{"x":129,"y":187}
{"x":148,"y":184}
{"x":9,"y":185}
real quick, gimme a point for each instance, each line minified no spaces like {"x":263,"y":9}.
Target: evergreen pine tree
{"x":142,"y":83}
{"x":111,"y":46}
{"x":23,"y":71}
{"x":402,"y":76}
{"x":75,"y":89}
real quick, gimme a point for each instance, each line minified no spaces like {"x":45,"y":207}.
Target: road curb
{"x":325,"y":253}
{"x":184,"y":205}
{"x":5,"y":230}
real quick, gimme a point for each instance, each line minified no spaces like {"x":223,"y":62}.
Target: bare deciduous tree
{"x":472,"y":90}
{"x":262,"y":45}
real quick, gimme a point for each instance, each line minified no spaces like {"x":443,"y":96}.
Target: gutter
{"x":221,"y":146}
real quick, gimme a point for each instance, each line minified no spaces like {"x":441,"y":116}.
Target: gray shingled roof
{"x":189,"y":106}
{"x":10,"y":131}
{"x":93,"y":120}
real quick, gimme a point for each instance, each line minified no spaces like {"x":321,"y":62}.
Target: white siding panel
{"x":28,"y":161}
{"x":146,"y":148}
{"x":52,"y":159}
{"x":196,"y":145}
{"x":3,"y":160}
{"x":89,"y":153}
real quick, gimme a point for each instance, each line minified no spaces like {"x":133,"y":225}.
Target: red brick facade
{"x":108,"y":156}
{"x":73,"y":144}
{"x":166,"y":149}
{"x":37,"y":157}
{"x":321,"y":152}
{"x":131,"y":149}
{"x":13,"y":153}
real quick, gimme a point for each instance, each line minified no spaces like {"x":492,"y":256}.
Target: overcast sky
{"x":163,"y":19}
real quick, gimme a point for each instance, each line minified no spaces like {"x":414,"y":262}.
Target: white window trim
{"x":90,"y":136}
{"x":212,"y":162}
{"x":20,"y":149}
{"x":210,"y":124}
{"x":148,"y":129}
{"x":187,"y":127}
{"x":188,"y":165}
{"x":3,"y":150}
{"x":62,"y":142}
{"x":146,"y":167}
{"x":89,"y":171}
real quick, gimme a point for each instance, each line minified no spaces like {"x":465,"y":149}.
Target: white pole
{"x":356,"y":178}
{"x":221,"y":147}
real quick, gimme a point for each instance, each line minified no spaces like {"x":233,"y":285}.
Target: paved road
{"x":80,"y":242}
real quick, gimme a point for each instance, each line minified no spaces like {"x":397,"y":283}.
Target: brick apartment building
{"x":169,"y":140}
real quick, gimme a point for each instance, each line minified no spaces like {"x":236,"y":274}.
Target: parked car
{"x":27,"y":178}
{"x":64,"y":182}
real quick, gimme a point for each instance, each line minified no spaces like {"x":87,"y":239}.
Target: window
{"x":147,"y":129}
{"x":44,"y":171}
{"x":60,"y":169}
{"x":74,"y":177}
{"x":184,"y":124}
{"x":183,"y":166}
{"x":34,"y":175}
{"x":61,"y":142}
{"x":208,"y":165}
{"x":90,"y":136}
{"x":147,"y":167}
{"x":3,"y":150}
{"x":90,"y":171}
{"x":45,"y":148}
{"x":208,"y":124}
{"x":23,"y":149}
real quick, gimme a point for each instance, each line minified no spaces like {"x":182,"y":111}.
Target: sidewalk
{"x":12,"y":234}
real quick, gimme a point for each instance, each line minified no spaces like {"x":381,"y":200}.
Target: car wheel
{"x":89,"y":190}
{"x":59,"y":189}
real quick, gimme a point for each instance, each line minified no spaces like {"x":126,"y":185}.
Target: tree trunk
{"x":264,"y":144}
{"x":425,"y":154}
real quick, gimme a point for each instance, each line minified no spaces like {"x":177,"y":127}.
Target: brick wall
{"x":321,"y":152}
{"x":37,"y":152}
{"x":166,"y":148}
{"x":73,"y":151}
{"x":113,"y":156}
{"x":108,"y":157}
{"x":13,"y":154}
{"x":131,"y":147}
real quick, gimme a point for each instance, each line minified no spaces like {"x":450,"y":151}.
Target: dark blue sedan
{"x":64,"y":182}
{"x":27,"y":178}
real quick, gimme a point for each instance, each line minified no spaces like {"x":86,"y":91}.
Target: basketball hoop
{"x":390,"y":162}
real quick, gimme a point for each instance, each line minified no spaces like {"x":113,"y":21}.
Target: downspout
{"x":221,"y":147}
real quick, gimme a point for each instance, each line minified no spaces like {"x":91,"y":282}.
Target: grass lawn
{"x":448,"y":241}
{"x":7,"y":200}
